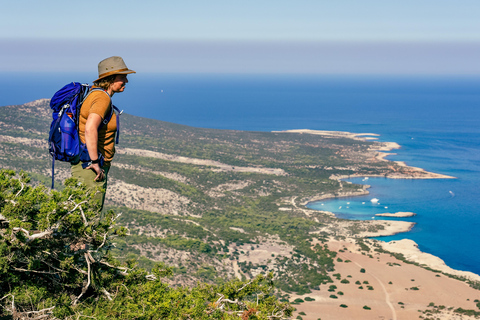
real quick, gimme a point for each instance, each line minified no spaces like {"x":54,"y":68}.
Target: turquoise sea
{"x":436,"y":120}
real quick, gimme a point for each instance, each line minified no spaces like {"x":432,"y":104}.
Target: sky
{"x":262,"y":36}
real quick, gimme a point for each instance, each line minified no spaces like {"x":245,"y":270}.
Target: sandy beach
{"x":374,"y":285}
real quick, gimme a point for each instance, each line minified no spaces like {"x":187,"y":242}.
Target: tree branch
{"x":88,"y":281}
{"x":123,"y":269}
{"x":13,"y":301}
{"x":34,"y":271}
{"x":101,"y":245}
{"x":46,"y":313}
{"x":107,"y":294}
{"x":23,"y":186}
{"x":35,"y":236}
{"x":81,"y":210}
{"x":245,"y":285}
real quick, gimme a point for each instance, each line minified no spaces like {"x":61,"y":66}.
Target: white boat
{"x":374,"y":200}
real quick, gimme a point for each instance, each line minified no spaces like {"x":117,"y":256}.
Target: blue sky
{"x":270,"y":36}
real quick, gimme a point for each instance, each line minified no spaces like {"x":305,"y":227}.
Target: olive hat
{"x":111,"y":66}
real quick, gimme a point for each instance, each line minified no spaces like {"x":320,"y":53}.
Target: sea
{"x":435,"y":119}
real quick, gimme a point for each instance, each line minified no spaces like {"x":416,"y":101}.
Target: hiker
{"x":100,"y":138}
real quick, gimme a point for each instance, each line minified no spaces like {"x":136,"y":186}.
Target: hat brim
{"x":111,"y":73}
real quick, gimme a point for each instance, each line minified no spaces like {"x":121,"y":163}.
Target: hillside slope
{"x":219,"y":204}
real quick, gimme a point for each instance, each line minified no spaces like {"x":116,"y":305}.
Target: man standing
{"x":98,"y":126}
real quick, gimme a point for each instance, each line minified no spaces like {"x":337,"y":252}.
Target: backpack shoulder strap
{"x":109,"y":116}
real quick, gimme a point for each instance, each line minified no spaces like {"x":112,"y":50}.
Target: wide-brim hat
{"x":111,"y":66}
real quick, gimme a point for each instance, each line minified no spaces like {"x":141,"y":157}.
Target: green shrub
{"x":58,"y":237}
{"x":367,"y":308}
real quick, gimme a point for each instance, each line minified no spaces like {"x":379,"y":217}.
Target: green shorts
{"x":87,"y":177}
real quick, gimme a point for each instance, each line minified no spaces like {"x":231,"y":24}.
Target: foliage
{"x":56,"y":262}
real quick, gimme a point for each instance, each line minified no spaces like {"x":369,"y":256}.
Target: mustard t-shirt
{"x":98,"y":102}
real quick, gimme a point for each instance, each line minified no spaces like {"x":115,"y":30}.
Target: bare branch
{"x":233,"y":301}
{"x":11,"y":201}
{"x":16,"y":229}
{"x":39,"y":311}
{"x":80,"y":270}
{"x":34,"y":271}
{"x":23,"y":186}
{"x":3,"y":219}
{"x":13,"y":301}
{"x":277,"y":315}
{"x":71,"y":211}
{"x":123,"y":269}
{"x":83,"y":216}
{"x":222,"y":299}
{"x":79,"y":205}
{"x":88,"y":281}
{"x":55,"y":268}
{"x":101,"y":245}
{"x":6,"y":296}
{"x":219,"y":299}
{"x":89,"y":257}
{"x":245,"y":285}
{"x":35,"y":236}
{"x":151,"y":277}
{"x":107,"y":294}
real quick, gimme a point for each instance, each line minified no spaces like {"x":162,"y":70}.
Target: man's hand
{"x":99,"y":171}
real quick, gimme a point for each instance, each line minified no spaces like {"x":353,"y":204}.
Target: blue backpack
{"x":64,"y":142}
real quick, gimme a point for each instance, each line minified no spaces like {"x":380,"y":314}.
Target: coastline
{"x":396,"y":214}
{"x":408,"y":248}
{"x":381,"y":150}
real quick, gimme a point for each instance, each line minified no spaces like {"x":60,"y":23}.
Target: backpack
{"x":64,"y":142}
